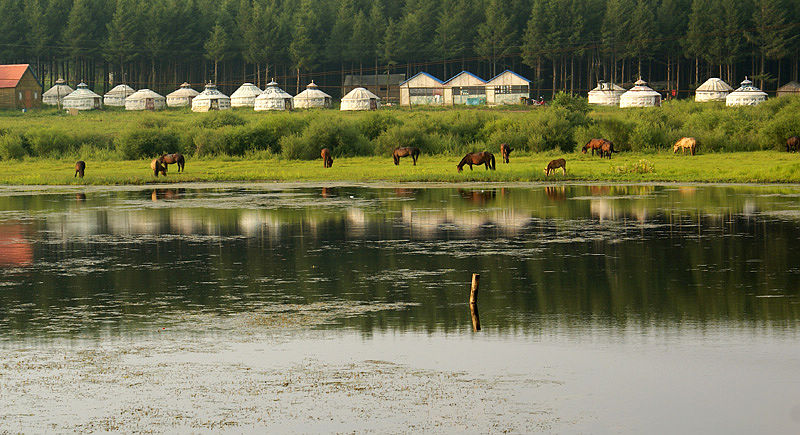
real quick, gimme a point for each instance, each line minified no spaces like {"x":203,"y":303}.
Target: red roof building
{"x":19,"y":87}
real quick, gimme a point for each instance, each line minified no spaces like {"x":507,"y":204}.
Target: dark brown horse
{"x":793,"y":144}
{"x":482,"y":158}
{"x":327,"y":158}
{"x":405,"y":152}
{"x":606,"y":149}
{"x":157,"y":167}
{"x":505,"y":150}
{"x":80,"y":167}
{"x":177,"y":158}
{"x":555,"y":164}
{"x":595,"y":145}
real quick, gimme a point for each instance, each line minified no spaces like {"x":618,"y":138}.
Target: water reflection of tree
{"x":687,"y":263}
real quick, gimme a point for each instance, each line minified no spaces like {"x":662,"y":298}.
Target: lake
{"x":310,"y":308}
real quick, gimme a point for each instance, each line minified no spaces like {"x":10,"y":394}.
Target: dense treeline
{"x":563,"y":127}
{"x":560,"y":44}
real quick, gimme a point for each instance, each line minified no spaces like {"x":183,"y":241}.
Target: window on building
{"x":469,"y":90}
{"x":510,"y":89}
{"x":425,"y":92}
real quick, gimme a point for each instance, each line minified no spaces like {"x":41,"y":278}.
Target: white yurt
{"x":83,"y":99}
{"x":55,"y":95}
{"x":182,"y":97}
{"x":145,"y":99}
{"x":273,"y":98}
{"x":640,"y":96}
{"x":245,"y":96}
{"x":360,"y":99}
{"x":211,"y":99}
{"x":791,"y":88}
{"x":117,"y":96}
{"x":746,"y":95}
{"x":311,"y":97}
{"x":714,"y":89}
{"x":606,"y":94}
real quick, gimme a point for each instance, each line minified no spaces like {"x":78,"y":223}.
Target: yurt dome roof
{"x":247,"y":90}
{"x":748,"y":88}
{"x":184,"y":91}
{"x":608,"y":86}
{"x":210,"y":92}
{"x":642,"y":89}
{"x":273,"y":91}
{"x":312,"y":91}
{"x":714,"y":84}
{"x":60,"y":88}
{"x":143,"y":94}
{"x":360,"y":94}
{"x":82,"y":91}
{"x":121,"y":90}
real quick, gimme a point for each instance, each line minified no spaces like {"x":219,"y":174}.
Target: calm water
{"x":295,"y":307}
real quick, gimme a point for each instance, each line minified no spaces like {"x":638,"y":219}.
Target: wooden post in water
{"x":473,"y":302}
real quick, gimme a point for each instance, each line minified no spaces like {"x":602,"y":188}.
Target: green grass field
{"x":741,"y":167}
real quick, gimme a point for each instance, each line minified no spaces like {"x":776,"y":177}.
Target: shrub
{"x":11,"y":146}
{"x":641,"y":167}
{"x":403,"y":136}
{"x":217,"y":119}
{"x":50,"y":143}
{"x":145,"y":143}
{"x":342,"y":137}
{"x":376,"y":123}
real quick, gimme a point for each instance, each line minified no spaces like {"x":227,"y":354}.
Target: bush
{"x":146,"y":143}
{"x":403,"y":136}
{"x":376,"y":123}
{"x":342,"y":137}
{"x":11,"y":147}
{"x":218,"y":119}
{"x":50,"y":143}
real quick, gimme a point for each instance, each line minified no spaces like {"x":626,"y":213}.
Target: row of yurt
{"x":464,"y":88}
{"x":245,"y":96}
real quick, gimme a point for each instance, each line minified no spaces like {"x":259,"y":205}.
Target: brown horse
{"x":594,"y":144}
{"x":685,"y":143}
{"x":606,"y":149}
{"x":177,"y":158}
{"x":405,"y":152}
{"x":555,"y":164}
{"x":157,"y":167}
{"x":483,"y":158}
{"x":327,"y":158}
{"x":793,"y":144}
{"x":505,"y":150}
{"x":80,"y":167}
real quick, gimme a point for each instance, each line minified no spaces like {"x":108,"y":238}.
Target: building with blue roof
{"x":507,"y":87}
{"x":465,"y":88}
{"x":422,"y":89}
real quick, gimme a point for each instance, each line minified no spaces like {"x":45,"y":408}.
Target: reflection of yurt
{"x":746,"y":95}
{"x":606,"y":94}
{"x":210,"y":99}
{"x":83,"y":99}
{"x":145,"y":99}
{"x":55,"y":95}
{"x":117,"y":96}
{"x":640,"y":96}
{"x":311,"y":97}
{"x":245,"y":96}
{"x":791,"y":88}
{"x":273,"y":98}
{"x":360,"y":99}
{"x":182,"y":97}
{"x":713,"y":89}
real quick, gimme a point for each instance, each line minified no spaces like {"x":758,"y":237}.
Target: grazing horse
{"x":594,"y":144}
{"x":483,"y":158}
{"x":793,"y":144}
{"x":157,"y":167}
{"x":80,"y":167}
{"x":405,"y":152}
{"x":177,"y":158}
{"x":555,"y":164}
{"x":327,"y":158}
{"x":606,"y":149}
{"x":505,"y":150}
{"x":684,"y":143}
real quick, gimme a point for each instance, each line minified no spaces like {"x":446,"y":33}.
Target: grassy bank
{"x":744,"y":167}
{"x":566,"y":124}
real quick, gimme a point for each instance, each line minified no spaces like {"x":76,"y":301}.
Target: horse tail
{"x":491,"y":156}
